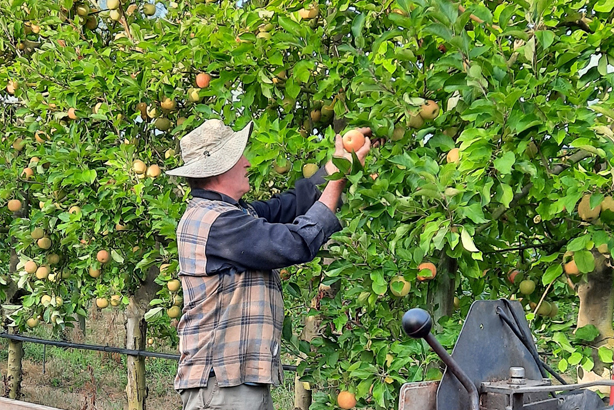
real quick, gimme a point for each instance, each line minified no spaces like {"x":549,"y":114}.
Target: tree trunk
{"x":14,"y":369}
{"x":596,"y":293}
{"x":136,"y":331}
{"x":302,"y":390}
{"x":441,"y":289}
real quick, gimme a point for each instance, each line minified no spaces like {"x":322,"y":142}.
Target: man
{"x":229,"y":253}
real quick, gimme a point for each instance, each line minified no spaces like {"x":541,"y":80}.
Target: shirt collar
{"x":217,"y":196}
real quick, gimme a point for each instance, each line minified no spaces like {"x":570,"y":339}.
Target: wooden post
{"x":136,"y":330}
{"x":14,"y":369}
{"x":302,"y":392}
{"x":136,"y":338}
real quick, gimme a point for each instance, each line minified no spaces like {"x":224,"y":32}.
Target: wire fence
{"x":110,"y":349}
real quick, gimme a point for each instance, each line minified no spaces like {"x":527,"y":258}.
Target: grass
{"x":88,"y":380}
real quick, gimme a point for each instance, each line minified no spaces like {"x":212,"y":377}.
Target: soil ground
{"x":72,"y":379}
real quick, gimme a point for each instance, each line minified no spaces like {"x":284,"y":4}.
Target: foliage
{"x":519,"y":97}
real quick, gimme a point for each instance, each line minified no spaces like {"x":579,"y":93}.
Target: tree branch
{"x":531,"y":246}
{"x":498,"y":213}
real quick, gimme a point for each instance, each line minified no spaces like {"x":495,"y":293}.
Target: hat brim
{"x":218,"y":162}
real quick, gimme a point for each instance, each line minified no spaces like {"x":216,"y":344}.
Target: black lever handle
{"x":417,"y":323}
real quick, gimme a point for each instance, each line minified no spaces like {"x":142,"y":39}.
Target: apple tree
{"x":497,"y":164}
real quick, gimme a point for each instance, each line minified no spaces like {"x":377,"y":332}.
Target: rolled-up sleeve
{"x":242,"y":241}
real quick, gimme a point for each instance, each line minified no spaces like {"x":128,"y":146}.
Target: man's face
{"x":236,"y":180}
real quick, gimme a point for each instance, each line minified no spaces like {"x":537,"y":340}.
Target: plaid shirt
{"x":229,"y":253}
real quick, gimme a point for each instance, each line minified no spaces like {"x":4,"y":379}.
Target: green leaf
{"x":551,"y":274}
{"x":508,"y":195}
{"x":439,"y":30}
{"x":116,"y":256}
{"x":606,"y":354}
{"x":562,"y":340}
{"x":604,"y":6}
{"x":545,"y":38}
{"x":379,"y":285}
{"x":505,"y":162}
{"x":579,"y":243}
{"x":563,"y":366}
{"x":343,"y":164}
{"x":586,"y":333}
{"x":289,"y":25}
{"x":358,"y":24}
{"x":473,"y":212}
{"x":467,"y":241}
{"x":585,"y":261}
{"x":292,"y":88}
{"x":575,"y":358}
{"x":153,"y":314}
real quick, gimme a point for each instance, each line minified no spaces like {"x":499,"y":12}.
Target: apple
{"x":527,"y":287}
{"x":309,"y":170}
{"x":53,"y":259}
{"x":426,"y":276}
{"x":102,"y":303}
{"x":112,"y":4}
{"x":44,"y":243}
{"x":27,"y":173}
{"x":168,"y":104}
{"x":142,"y":108}
{"x":74,"y":210}
{"x":91,"y":23}
{"x":353,"y":140}
{"x":103,"y":256}
{"x":139,"y":166}
{"x":32,"y":322}
{"x":203,"y":80}
{"x":415,"y":121}
{"x":116,"y":300}
{"x":14,"y":205}
{"x":173,"y":285}
{"x":281,"y":170}
{"x":406,"y":286}
{"x":72,"y":113}
{"x":346,"y":400}
{"x":193,"y":95}
{"x":453,"y":156}
{"x":309,"y":13}
{"x":83,"y":10}
{"x":511,"y":276}
{"x":174,"y":312}
{"x":12,"y":86}
{"x":162,"y":124}
{"x":315,"y":115}
{"x":30,"y":266}
{"x":429,"y":110}
{"x":398,"y":134}
{"x":42,"y":272}
{"x":149,"y":9}
{"x":93,"y":272}
{"x":153,"y":171}
{"x":19,"y":144}
{"x":265,"y":27}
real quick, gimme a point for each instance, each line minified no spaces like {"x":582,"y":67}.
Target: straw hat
{"x":211,"y":149}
